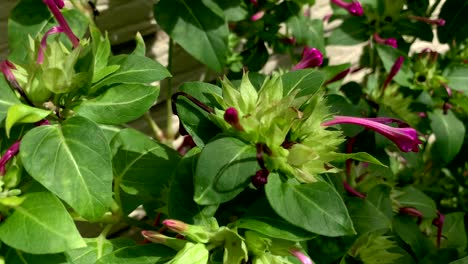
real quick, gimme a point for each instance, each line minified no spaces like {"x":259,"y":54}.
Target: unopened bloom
{"x":412,"y":212}
{"x":303,"y":258}
{"x":40,"y":54}
{"x":439,"y":223}
{"x":54,"y":7}
{"x":175,"y":225}
{"x":338,"y":77}
{"x":311,"y":57}
{"x":232,"y":117}
{"x":9,"y":154}
{"x":5,"y":67}
{"x":354,"y":8}
{"x":257,"y":16}
{"x":438,"y":22}
{"x":390,"y":41}
{"x":406,"y":138}
{"x":393,"y":71}
{"x":260,"y":178}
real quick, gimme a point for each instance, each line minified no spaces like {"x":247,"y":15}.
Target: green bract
{"x":289,"y":126}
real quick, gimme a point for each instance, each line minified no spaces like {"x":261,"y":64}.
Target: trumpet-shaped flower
{"x":54,"y":7}
{"x":354,"y":8}
{"x":405,"y":138}
{"x":438,"y":22}
{"x":311,"y":57}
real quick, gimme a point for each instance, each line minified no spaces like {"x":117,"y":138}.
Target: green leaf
{"x":366,"y":217}
{"x":352,"y":31}
{"x":307,"y":31}
{"x":412,"y":197}
{"x":73,"y":161}
{"x":8,"y":97}
{"x":454,"y":233}
{"x":21,"y":113}
{"x":223,"y":170}
{"x":28,"y":18}
{"x":94,"y":250}
{"x":389,"y":55}
{"x":194,"y":119}
{"x":140,"y":49}
{"x":119,"y":104}
{"x":454,"y":12}
{"x":449,"y":132}
{"x":261,"y":218}
{"x":101,"y":50}
{"x":138,"y":254}
{"x":202,"y":32}
{"x":407,"y":229}
{"x":142,"y":166}
{"x":14,"y":256}
{"x":41,"y":225}
{"x":234,"y":10}
{"x":316,"y":207}
{"x":307,"y":81}
{"x":379,"y":196}
{"x":133,"y":69}
{"x":360,"y":156}
{"x":181,"y":205}
{"x":191,"y":253}
{"x":457,"y":76}
{"x":460,"y":261}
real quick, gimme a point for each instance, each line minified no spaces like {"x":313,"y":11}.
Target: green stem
{"x":157,"y":131}
{"x":116,"y":207}
{"x":101,"y":238}
{"x":169,"y":133}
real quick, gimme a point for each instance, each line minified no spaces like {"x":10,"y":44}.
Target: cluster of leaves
{"x":267,"y":179}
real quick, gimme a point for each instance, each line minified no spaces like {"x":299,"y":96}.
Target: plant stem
{"x":169,"y":133}
{"x":100,"y":239}
{"x":157,"y":132}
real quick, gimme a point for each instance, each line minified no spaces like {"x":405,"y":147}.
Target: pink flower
{"x":303,"y":258}
{"x":5,"y":67}
{"x":390,"y":41}
{"x":406,"y":138}
{"x":393,"y":71}
{"x":40,"y":54}
{"x":54,"y":7}
{"x":311,"y":57}
{"x":354,"y":8}
{"x":258,"y":15}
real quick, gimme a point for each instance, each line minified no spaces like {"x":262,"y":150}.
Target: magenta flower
{"x":412,"y":212}
{"x":258,"y":15}
{"x":260,"y":178}
{"x":303,"y":258}
{"x":232,"y":117}
{"x":390,"y":41}
{"x":42,"y":48}
{"x":438,"y":22}
{"x":393,"y":71}
{"x":311,"y":57}
{"x":406,"y":138}
{"x":9,"y":154}
{"x":354,"y":8}
{"x":338,"y":77}
{"x":54,"y":7}
{"x":175,"y":225}
{"x":5,"y":67}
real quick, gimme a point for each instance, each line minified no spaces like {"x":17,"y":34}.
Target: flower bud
{"x":232,"y":117}
{"x":311,"y":57}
